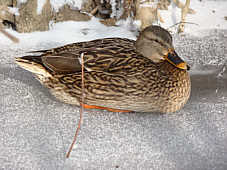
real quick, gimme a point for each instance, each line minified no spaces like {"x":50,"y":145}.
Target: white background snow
{"x":36,"y":129}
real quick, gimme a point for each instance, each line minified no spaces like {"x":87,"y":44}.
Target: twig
{"x":81,"y":107}
{"x":184,"y":23}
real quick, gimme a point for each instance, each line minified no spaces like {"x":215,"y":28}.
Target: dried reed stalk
{"x":81,"y":107}
{"x":184,"y":11}
{"x":181,"y":5}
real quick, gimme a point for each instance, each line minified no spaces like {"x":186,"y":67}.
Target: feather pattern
{"x":119,"y":74}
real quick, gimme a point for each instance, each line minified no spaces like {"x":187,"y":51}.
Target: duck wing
{"x":112,"y":55}
{"x":61,"y":63}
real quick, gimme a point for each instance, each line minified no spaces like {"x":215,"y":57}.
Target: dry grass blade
{"x":10,"y":36}
{"x":81,"y":108}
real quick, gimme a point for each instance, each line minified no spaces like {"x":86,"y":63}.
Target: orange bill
{"x":173,"y":58}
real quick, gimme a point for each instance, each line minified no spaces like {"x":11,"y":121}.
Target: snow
{"x":21,"y":1}
{"x":14,"y":11}
{"x":36,"y":129}
{"x":40,"y":5}
{"x":68,"y":32}
{"x":56,"y":4}
{"x":209,"y":15}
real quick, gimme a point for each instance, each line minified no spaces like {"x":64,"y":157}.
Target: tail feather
{"x":38,"y":51}
{"x":33,"y":64}
{"x":30,"y":58}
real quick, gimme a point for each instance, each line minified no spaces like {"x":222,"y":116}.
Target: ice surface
{"x":36,"y":129}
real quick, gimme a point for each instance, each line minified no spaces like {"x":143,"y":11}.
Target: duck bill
{"x":174,"y":59}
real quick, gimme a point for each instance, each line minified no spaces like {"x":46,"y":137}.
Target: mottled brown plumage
{"x":144,"y":75}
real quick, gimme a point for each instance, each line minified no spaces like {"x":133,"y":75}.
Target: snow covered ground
{"x":36,"y":129}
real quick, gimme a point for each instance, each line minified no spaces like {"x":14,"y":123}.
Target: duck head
{"x":155,"y":43}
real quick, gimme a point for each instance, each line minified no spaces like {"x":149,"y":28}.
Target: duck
{"x":115,"y":74}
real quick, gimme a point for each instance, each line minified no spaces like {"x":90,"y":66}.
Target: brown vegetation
{"x":146,"y":11}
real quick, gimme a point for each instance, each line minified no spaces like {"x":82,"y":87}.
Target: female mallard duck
{"x":120,"y":74}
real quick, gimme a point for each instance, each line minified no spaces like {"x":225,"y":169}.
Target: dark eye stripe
{"x":157,"y":41}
